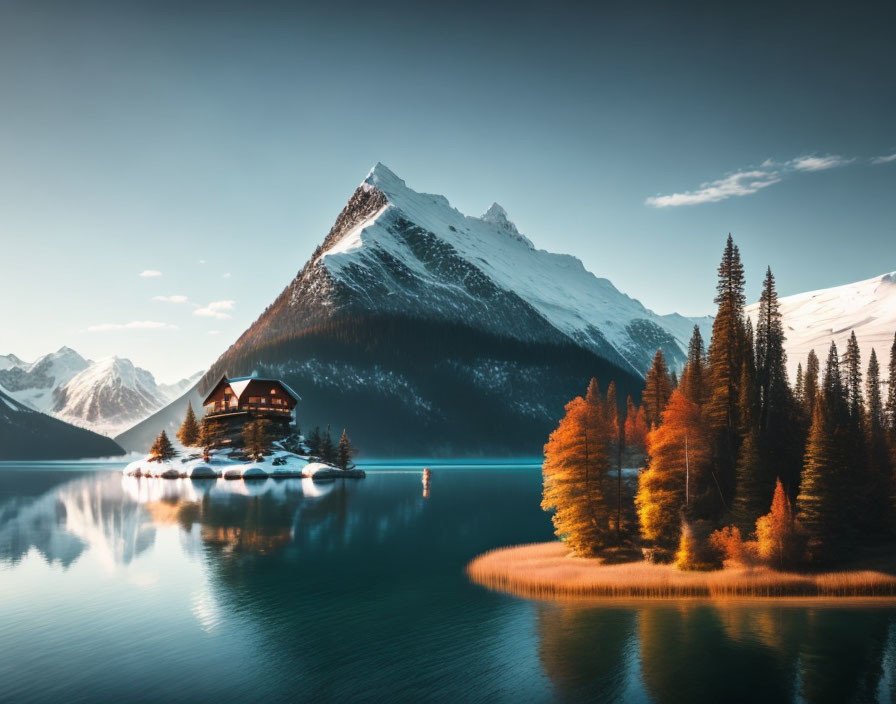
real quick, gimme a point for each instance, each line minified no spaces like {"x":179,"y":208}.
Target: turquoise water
{"x":122,"y":589}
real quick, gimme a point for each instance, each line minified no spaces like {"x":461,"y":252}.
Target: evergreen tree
{"x":327,"y":448}
{"x":635,"y":426}
{"x":162,"y":449}
{"x":852,"y":363}
{"x":657,"y":390}
{"x":575,"y":475}
{"x":210,"y":431}
{"x":776,"y":532}
{"x":877,"y":511}
{"x":256,"y":439}
{"x":693,"y":379}
{"x":890,"y":408}
{"x":780,"y":450}
{"x":726,"y":352}
{"x":314,"y":442}
{"x":188,"y":434}
{"x":799,"y":390}
{"x":753,"y":492}
{"x":678,"y":476}
{"x":345,"y":452}
{"x":810,"y":386}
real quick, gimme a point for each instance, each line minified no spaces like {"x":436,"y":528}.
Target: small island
{"x":748,"y":486}
{"x":247,"y":432}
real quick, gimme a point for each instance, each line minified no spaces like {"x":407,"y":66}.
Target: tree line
{"x":740,"y":463}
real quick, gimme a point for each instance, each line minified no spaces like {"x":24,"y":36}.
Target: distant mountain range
{"x":106,"y":396}
{"x":26,"y":434}
{"x":814,"y":319}
{"x":426,"y":331}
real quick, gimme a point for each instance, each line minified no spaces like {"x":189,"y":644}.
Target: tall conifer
{"x":725,"y":359}
{"x":657,"y":390}
{"x":693,"y":379}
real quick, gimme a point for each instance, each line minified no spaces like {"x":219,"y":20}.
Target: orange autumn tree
{"x":777,"y":531}
{"x":635,"y":426}
{"x":577,"y":458}
{"x":676,"y":478}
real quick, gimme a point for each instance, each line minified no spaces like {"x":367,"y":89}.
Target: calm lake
{"x":123,"y":589}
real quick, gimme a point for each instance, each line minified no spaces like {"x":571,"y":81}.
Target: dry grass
{"x":547,"y":570}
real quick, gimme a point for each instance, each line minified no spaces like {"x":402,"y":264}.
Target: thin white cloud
{"x":748,"y":181}
{"x":150,"y":273}
{"x":214,"y":332}
{"x":216,"y":309}
{"x":133,"y":325}
{"x":202,"y":261}
{"x":741,"y":183}
{"x":886,"y":159}
{"x":818,"y":163}
{"x":225,"y":275}
{"x":170,"y":299}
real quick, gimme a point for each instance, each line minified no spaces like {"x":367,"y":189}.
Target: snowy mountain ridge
{"x":106,"y":396}
{"x":557,"y":287}
{"x":812,"y":320}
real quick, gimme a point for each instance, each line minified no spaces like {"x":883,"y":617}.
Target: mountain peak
{"x":383,"y":178}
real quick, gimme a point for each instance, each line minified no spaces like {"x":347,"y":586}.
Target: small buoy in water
{"x":427,"y":474}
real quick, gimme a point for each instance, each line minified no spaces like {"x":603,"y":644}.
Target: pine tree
{"x":810,"y":386}
{"x":877,"y":510}
{"x":890,"y":409}
{"x":345,"y":452}
{"x":777,"y":421}
{"x":823,"y":504}
{"x":678,"y":476}
{"x":256,"y":439}
{"x":327,"y":448}
{"x":314,"y":441}
{"x":635,"y":426}
{"x":188,"y":434}
{"x":726,"y":352}
{"x":776,"y":532}
{"x":693,"y":379}
{"x":162,"y":449}
{"x":753,"y":492}
{"x":657,"y":390}
{"x":575,"y":476}
{"x":799,"y":390}
{"x":852,"y":363}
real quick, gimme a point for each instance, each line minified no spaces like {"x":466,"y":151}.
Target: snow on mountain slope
{"x":34,"y":384}
{"x":813,"y":319}
{"x":109,"y":396}
{"x":588,"y":309}
{"x":177,"y":389}
{"x":9,"y":361}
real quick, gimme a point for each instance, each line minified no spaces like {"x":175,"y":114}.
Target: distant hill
{"x":26,"y":434}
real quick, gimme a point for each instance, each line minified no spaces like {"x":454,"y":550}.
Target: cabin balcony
{"x":254,"y":409}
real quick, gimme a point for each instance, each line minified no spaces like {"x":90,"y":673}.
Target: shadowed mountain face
{"x":423,"y":330}
{"x":26,"y":434}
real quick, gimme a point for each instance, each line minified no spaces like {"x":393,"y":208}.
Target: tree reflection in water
{"x":705,"y":652}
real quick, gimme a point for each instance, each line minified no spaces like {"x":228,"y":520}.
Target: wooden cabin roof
{"x":239,"y":385}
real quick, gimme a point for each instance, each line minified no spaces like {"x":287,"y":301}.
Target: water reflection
{"x":703,"y":652}
{"x":355,"y":590}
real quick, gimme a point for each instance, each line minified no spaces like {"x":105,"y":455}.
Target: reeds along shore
{"x":547,"y":570}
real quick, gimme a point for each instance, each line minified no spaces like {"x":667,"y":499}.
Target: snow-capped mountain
{"x":109,"y":396}
{"x":34,"y":384}
{"x":813,"y":319}
{"x":106,"y":396}
{"x":423,"y":330}
{"x":26,"y":434}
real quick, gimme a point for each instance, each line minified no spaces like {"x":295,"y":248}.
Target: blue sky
{"x":141,"y":137}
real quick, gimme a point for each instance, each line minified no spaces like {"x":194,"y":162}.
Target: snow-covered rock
{"x":222,"y":464}
{"x":814,"y":319}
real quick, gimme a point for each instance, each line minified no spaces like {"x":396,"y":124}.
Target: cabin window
{"x":273,"y":392}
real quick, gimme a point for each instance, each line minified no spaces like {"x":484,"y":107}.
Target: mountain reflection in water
{"x":231,"y":590}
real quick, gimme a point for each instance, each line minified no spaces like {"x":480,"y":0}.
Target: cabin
{"x":233,"y":402}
